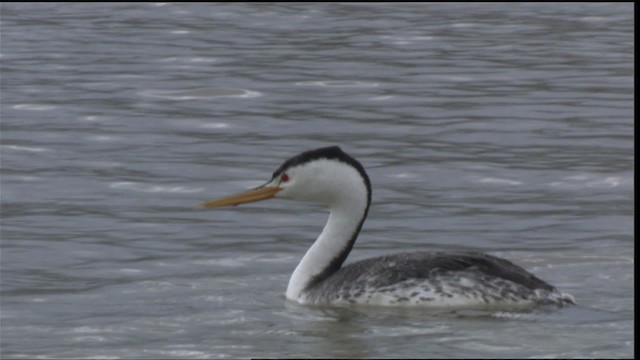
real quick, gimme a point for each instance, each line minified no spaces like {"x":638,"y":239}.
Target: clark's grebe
{"x":434,"y":279}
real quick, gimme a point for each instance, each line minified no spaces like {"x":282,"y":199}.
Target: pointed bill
{"x":253,"y":195}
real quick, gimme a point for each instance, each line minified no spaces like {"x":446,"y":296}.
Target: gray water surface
{"x":504,"y":128}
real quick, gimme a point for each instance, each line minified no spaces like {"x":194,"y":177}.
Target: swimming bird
{"x":464,"y":279}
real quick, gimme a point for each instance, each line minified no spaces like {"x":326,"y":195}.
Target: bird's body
{"x":434,"y":279}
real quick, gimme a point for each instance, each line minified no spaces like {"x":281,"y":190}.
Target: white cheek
{"x":294,"y":190}
{"x":291,"y":191}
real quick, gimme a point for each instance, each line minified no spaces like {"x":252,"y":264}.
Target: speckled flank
{"x":435,"y":280}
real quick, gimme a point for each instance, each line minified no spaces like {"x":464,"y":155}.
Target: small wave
{"x":611,"y":181}
{"x":214,"y":126}
{"x":406,"y":40}
{"x":34,"y":107}
{"x":25,"y":148}
{"x":198,"y":94}
{"x":498,"y":181}
{"x":229,"y":262}
{"x":129,"y":271}
{"x":85,"y":339}
{"x":153,"y":188}
{"x":594,"y":19}
{"x":22,"y":178}
{"x":93,"y":118}
{"x":102,"y":138}
{"x":187,"y":60}
{"x":382,"y":97}
{"x":405,"y":175}
{"x":463,"y":25}
{"x":188,"y":354}
{"x":339,"y":83}
{"x":590,"y":181}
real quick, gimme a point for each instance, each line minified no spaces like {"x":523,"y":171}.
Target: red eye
{"x":284,"y":177}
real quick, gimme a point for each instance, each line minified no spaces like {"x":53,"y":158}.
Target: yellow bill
{"x":253,"y":195}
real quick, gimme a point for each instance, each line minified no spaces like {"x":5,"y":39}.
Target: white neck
{"x":347,"y":213}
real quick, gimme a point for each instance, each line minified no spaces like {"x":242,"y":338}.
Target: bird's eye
{"x":284,"y":177}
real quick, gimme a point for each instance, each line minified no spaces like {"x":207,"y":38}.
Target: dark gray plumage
{"x":427,"y":276}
